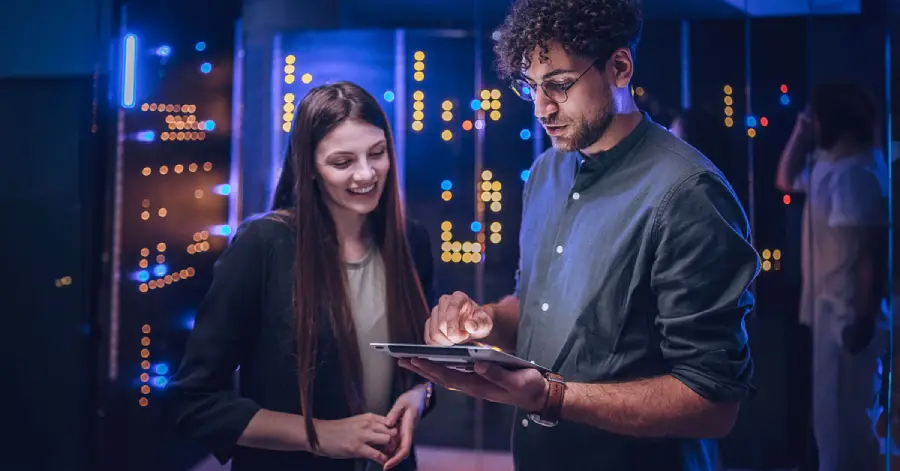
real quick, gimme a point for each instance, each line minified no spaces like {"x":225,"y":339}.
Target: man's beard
{"x":585,"y":133}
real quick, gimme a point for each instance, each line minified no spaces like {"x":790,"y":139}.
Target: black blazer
{"x":246,"y":321}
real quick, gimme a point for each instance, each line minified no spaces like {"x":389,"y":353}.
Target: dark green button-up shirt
{"x":634,"y":263}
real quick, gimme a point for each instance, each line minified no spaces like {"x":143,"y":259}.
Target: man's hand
{"x":526,"y":389}
{"x":457,"y":319}
{"x":803,"y":126}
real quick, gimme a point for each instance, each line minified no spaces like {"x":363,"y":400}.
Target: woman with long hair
{"x":298,"y":296}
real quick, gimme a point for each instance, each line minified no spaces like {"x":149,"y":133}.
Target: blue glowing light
{"x":160,"y":381}
{"x":525,"y":134}
{"x":224,"y":230}
{"x":186,"y":321}
{"x":751,"y":121}
{"x":200,"y":46}
{"x":209,"y":125}
{"x":163,"y":51}
{"x":143,"y":276}
{"x":526,"y":90}
{"x":446,"y":185}
{"x":146,"y":136}
{"x":223,"y":189}
{"x":476,"y":226}
{"x":476,"y":105}
{"x":160,"y":270}
{"x":389,"y":96}
{"x":785,"y":100}
{"x":524,"y":175}
{"x":161,"y":369}
{"x":129,"y":77}
{"x":206,"y":68}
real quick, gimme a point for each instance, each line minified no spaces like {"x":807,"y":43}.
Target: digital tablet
{"x":457,"y":357}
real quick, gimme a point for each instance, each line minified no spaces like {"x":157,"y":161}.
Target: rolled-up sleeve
{"x":202,"y":400}
{"x":703,"y":267}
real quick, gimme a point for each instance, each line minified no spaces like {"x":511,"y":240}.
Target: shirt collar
{"x":600,"y":161}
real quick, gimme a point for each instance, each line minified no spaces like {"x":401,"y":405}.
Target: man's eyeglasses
{"x":556,"y":91}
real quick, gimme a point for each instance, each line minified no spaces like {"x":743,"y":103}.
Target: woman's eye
{"x":342,"y":164}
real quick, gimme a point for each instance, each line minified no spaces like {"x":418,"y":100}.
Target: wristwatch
{"x":429,"y":391}
{"x":550,"y":416}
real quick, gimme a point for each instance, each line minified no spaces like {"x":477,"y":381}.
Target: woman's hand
{"x":360,"y":436}
{"x":404,"y":417}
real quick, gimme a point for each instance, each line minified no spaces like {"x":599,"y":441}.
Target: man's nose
{"x":543,"y":106}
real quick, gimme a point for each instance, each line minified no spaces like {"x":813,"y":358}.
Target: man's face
{"x":586,"y":109}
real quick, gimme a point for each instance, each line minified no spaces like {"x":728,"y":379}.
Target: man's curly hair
{"x":588,"y":28}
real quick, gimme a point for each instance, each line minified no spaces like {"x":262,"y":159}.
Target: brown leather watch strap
{"x":553,"y":409}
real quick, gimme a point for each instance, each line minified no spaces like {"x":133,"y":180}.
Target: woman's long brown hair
{"x":319,"y":278}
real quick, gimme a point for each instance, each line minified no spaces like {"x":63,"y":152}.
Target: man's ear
{"x":622,"y":67}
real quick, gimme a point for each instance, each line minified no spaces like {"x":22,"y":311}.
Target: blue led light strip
{"x":129,"y":60}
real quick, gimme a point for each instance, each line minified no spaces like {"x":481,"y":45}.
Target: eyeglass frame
{"x":565,"y":90}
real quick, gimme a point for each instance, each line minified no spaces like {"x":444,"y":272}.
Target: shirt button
{"x":575,"y":196}
{"x":524,"y":422}
{"x":545,"y":306}
{"x":559,"y":249}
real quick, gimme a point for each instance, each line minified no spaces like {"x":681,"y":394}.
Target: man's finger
{"x":406,"y":364}
{"x":455,"y":330}
{"x":471,"y":384}
{"x":498,"y":375}
{"x":450,"y":314}
{"x":440,"y":312}
{"x":440,"y":316}
{"x":427,"y":337}
{"x":433,"y":335}
{"x":479,"y":324}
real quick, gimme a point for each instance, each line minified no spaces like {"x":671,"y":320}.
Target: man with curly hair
{"x":634,"y":270}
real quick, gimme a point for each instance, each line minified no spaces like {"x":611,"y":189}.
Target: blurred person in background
{"x":844,"y":266}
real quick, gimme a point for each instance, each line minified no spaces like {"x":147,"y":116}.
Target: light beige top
{"x":366,"y":291}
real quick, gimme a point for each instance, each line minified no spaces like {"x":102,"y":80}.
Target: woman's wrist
{"x":421,"y":395}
